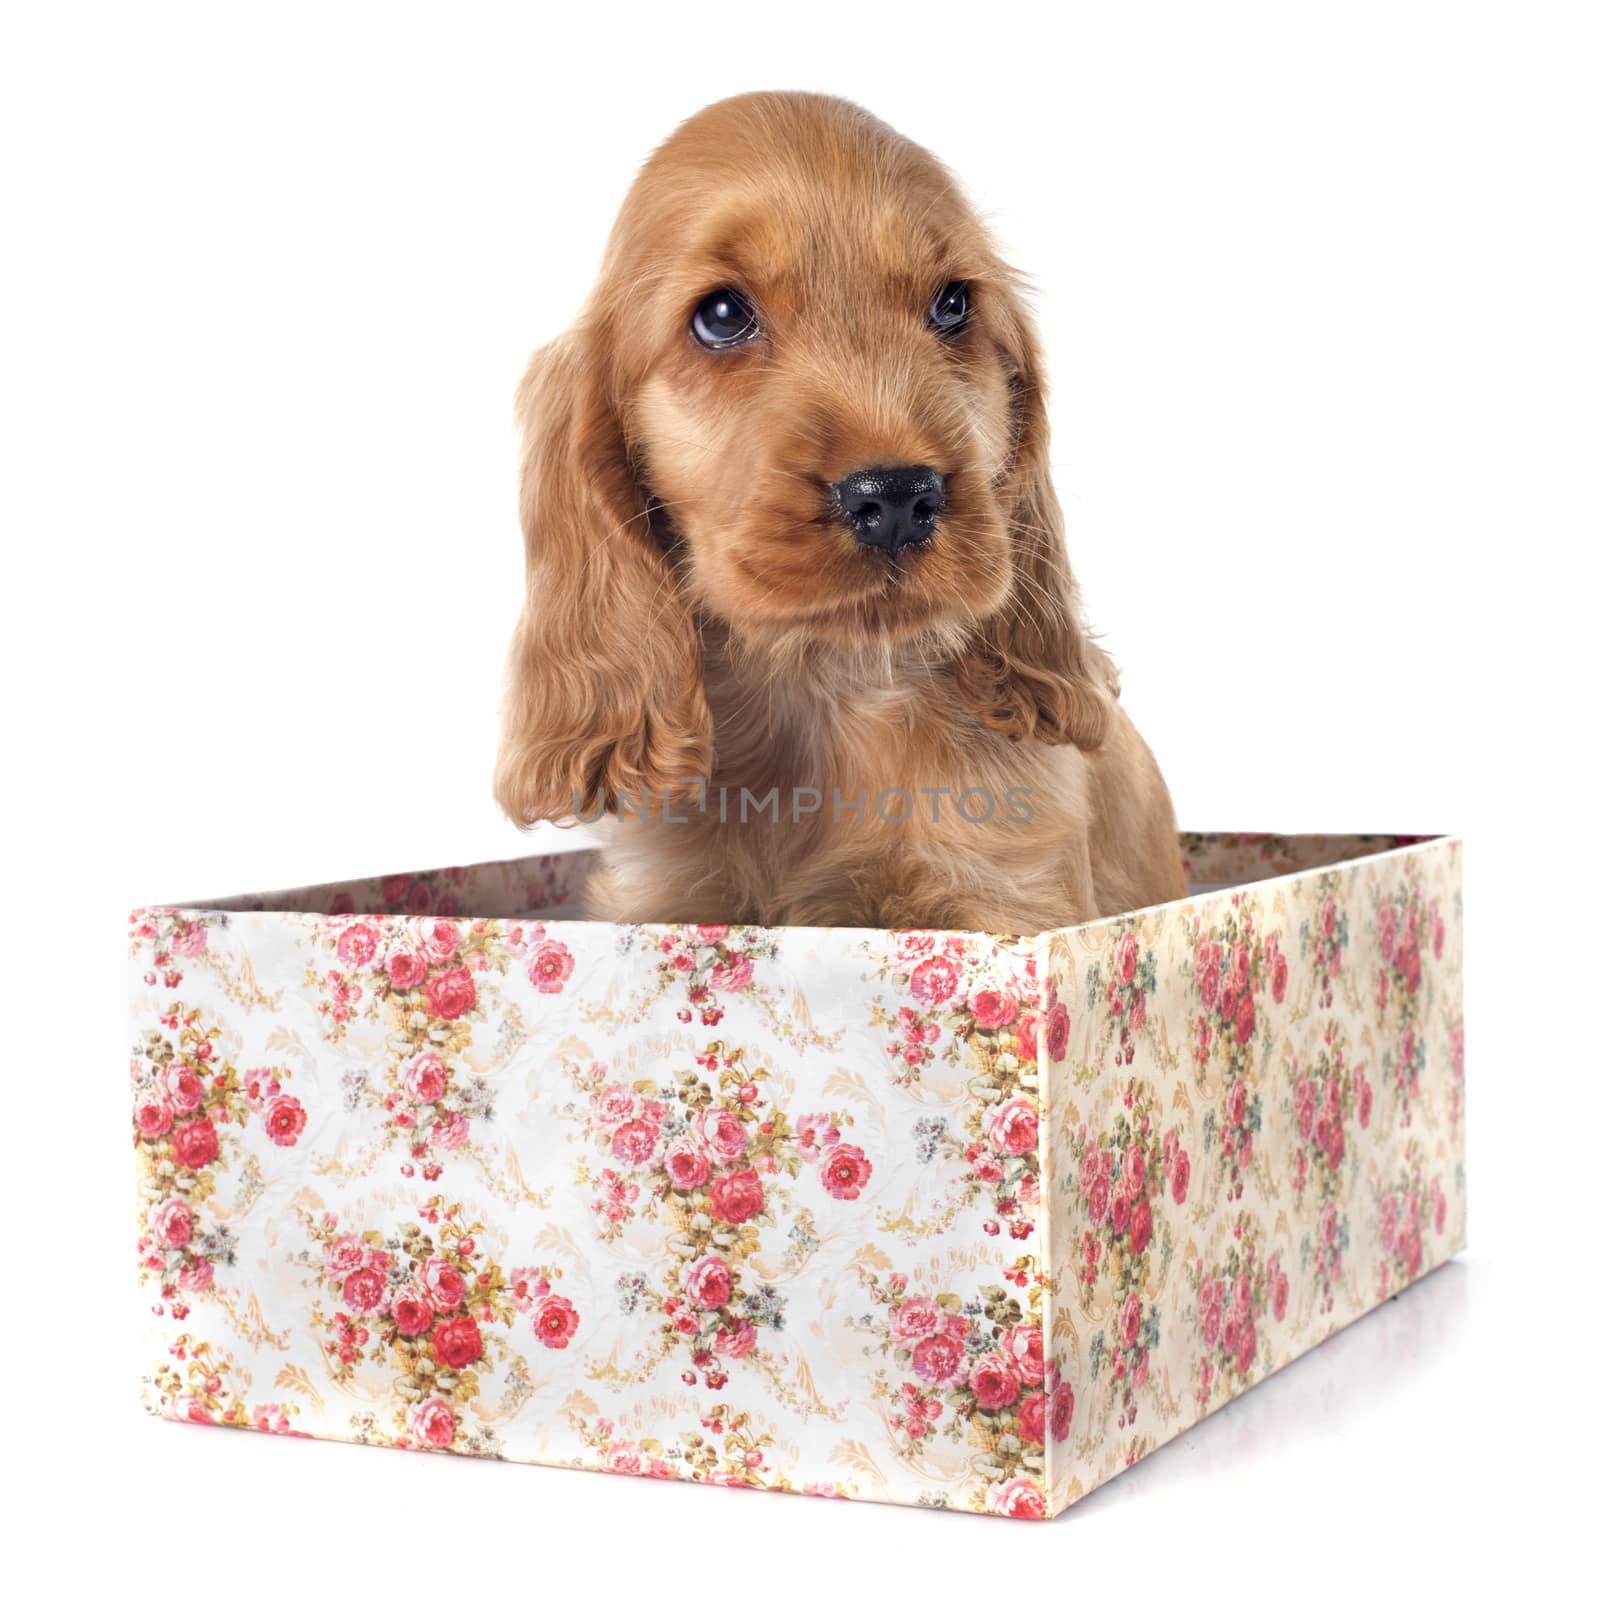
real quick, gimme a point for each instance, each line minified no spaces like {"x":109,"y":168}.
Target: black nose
{"x":889,"y":508}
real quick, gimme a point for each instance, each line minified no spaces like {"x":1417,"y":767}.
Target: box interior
{"x":549,"y":887}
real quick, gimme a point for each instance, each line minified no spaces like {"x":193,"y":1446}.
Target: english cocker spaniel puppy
{"x":799,"y":614}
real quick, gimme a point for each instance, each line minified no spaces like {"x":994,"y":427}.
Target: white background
{"x":1318,"y":285}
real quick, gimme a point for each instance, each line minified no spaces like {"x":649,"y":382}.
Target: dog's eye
{"x":724,"y":318}
{"x":950,"y":309}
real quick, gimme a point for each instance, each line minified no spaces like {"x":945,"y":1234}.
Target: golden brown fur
{"x":697,"y":613}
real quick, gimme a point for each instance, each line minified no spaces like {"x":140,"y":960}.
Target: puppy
{"x":798,"y":605}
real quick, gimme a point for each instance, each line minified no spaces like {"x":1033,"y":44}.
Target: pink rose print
{"x":1124,"y":1180}
{"x":197,"y":1385}
{"x":711,"y":963}
{"x":971,"y":1012}
{"x":1322,"y":1096}
{"x":1403,"y":929}
{"x":1024,"y":1344}
{"x":433,"y":1425}
{"x":152,"y":1116}
{"x":814,"y":1132}
{"x":728,"y":1450}
{"x":732,"y":975}
{"x":427,"y":1079}
{"x":994,"y":1382}
{"x":914,"y":1320}
{"x":448,"y":1132}
{"x":1404,"y":1210}
{"x":1233,"y":1297}
{"x":194,"y":1143}
{"x":183,"y":1088}
{"x":934,"y":983}
{"x":686,"y":1164}
{"x":194,"y":1276}
{"x":1124,"y":987}
{"x":708,"y":1283}
{"x":1324,"y":938}
{"x":419,"y":978}
{"x":737,"y":1339}
{"x":1128,"y":1320}
{"x":939,"y":1359}
{"x":173,"y":1224}
{"x":634,"y":1142}
{"x":1061,"y":1407}
{"x":555,"y":1322}
{"x":343,"y":1255}
{"x":736,"y":1196}
{"x":1235,"y":970}
{"x":451,"y":993}
{"x":1027,"y":1037}
{"x":1180,"y":1176}
{"x":994,"y":1008}
{"x":428,"y":1307}
{"x":357,"y":945}
{"x":1057,"y":1032}
{"x":613,"y":1106}
{"x":723,"y":1134}
{"x":844,"y":1171}
{"x":406,"y":968}
{"x":1030,"y":1419}
{"x":442,"y":1282}
{"x":364,"y":1290}
{"x":1013,"y":1128}
{"x":1120,"y":1186}
{"x":285,"y":1119}
{"x":550,"y":966}
{"x":715,"y":1162}
{"x":412,"y":1311}
{"x":1139,"y":1228}
{"x":912,"y":949}
{"x":972,"y":1369}
{"x":1021,"y":1497}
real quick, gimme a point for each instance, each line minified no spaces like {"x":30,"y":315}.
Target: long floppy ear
{"x":605,"y":694}
{"x":1031,"y":670}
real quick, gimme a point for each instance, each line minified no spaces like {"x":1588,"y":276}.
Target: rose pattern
{"x":902,"y":1215}
{"x":1235,"y":971}
{"x":974,"y":1370}
{"x":975,"y":1008}
{"x":712,"y":962}
{"x":1324,"y":937}
{"x":1456,"y":1037}
{"x":1127,"y":983}
{"x":194,"y":1383}
{"x":1234,"y":1300}
{"x":1413,"y":1207}
{"x":427,"y":1307}
{"x":702,"y":969}
{"x":169,"y":939}
{"x":713,"y":1162}
{"x":1324,"y":1095}
{"x":728,"y":1447}
{"x":421,"y":977}
{"x":187,"y":1099}
{"x":1409,"y":930}
{"x":1125,"y":1178}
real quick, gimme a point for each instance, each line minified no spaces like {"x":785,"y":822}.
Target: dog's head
{"x":804,"y":400}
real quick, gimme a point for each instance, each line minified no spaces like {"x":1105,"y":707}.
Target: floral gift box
{"x":946,"y":1219}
